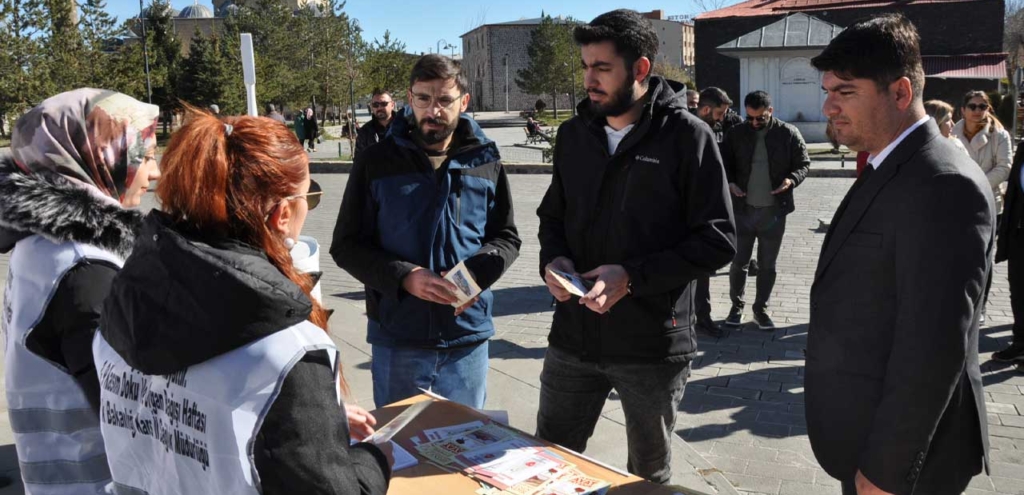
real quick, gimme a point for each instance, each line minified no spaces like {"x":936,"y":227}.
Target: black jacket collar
{"x":182,"y":299}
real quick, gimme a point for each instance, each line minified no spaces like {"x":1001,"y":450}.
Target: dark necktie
{"x":864,"y":175}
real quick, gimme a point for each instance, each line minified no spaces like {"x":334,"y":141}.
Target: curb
{"x":344,"y":167}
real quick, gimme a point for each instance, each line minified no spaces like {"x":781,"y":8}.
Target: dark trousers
{"x":1015,"y":267}
{"x":702,"y":299}
{"x":766,"y":226}
{"x":573,"y":392}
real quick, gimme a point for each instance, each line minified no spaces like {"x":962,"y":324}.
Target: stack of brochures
{"x":504,"y":461}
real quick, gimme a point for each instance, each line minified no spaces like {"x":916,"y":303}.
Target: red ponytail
{"x":223,"y":184}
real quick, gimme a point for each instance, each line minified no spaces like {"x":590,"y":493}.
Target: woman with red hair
{"x":216,"y":369}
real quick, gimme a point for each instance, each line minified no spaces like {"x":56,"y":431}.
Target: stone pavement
{"x":743,"y":407}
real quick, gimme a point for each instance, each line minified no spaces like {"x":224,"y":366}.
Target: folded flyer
{"x":572,"y":283}
{"x":463,"y":280}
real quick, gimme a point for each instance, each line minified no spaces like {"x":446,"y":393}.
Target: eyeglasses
{"x":759,"y":118}
{"x":380,"y":104}
{"x":977,"y":107}
{"x":312,"y":197}
{"x":427,"y":101}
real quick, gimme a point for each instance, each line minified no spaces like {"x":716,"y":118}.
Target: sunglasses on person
{"x":312,"y":197}
{"x":760,"y":118}
{"x":380,"y":104}
{"x":977,"y":107}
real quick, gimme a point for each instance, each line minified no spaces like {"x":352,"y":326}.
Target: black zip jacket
{"x":659,"y":207}
{"x":180,"y":288}
{"x":787,"y":158}
{"x":370,"y":134}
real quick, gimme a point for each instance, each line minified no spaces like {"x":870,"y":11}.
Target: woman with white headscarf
{"x":76,"y":162}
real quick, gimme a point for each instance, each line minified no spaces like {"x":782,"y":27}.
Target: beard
{"x":381,"y":115}
{"x":438,"y":136}
{"x":617,"y":104}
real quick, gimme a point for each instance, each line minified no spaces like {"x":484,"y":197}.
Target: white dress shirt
{"x":615,"y":137}
{"x":876,"y":160}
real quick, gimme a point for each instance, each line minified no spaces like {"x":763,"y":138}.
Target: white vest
{"x":56,"y":433}
{"x":193,"y":432}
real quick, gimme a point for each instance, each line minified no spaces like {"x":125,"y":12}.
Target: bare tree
{"x":709,"y":5}
{"x":476,"y":21}
{"x":1013,"y":34}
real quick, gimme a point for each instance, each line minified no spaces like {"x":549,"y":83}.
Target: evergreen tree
{"x":164,"y":57}
{"x":201,"y":78}
{"x":553,"y":55}
{"x":22,"y":58}
{"x":387,"y":66}
{"x":64,"y":49}
{"x":102,"y":43}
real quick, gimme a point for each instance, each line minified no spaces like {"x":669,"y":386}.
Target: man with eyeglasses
{"x":764,"y":161}
{"x":433,"y":193}
{"x":382,"y":110}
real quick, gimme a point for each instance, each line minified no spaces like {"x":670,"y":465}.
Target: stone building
{"x":493,"y":55}
{"x":768,"y":45}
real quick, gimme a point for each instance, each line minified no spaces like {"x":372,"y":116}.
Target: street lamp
{"x":446,"y":45}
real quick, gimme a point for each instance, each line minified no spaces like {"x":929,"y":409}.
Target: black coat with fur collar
{"x":50,"y":205}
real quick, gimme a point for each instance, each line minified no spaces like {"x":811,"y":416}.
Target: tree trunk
{"x":554,"y":105}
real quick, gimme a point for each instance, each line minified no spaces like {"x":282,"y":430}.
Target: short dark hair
{"x":381,"y":91}
{"x":757,"y":99}
{"x":432,"y":67}
{"x":632,"y":34}
{"x":713,"y":97}
{"x":882,"y":48}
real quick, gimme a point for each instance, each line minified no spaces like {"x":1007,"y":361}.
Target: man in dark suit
{"x":1010,"y":248}
{"x":894,"y":396}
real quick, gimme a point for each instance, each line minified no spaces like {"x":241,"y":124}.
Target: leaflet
{"x":463,"y":280}
{"x":572,"y":283}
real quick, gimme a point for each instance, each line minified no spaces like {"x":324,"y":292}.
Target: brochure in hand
{"x":574,"y":284}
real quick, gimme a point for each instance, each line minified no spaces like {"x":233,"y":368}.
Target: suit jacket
{"x":893,"y":386}
{"x":1008,"y":244}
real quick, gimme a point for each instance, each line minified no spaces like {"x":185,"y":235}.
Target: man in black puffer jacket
{"x":638,"y":206}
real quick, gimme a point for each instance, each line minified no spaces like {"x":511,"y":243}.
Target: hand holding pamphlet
{"x":463,"y":280}
{"x":572,"y":283}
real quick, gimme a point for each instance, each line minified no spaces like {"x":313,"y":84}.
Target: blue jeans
{"x":460,"y":374}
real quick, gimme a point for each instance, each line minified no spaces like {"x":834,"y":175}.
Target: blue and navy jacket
{"x":399,"y":213}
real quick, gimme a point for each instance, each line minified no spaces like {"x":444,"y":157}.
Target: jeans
{"x":460,"y":374}
{"x":573,"y":392}
{"x":766,"y":226}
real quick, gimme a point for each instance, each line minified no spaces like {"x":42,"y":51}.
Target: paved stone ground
{"x":743,"y":407}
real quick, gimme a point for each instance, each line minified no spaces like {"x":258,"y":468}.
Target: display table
{"x":429,"y":478}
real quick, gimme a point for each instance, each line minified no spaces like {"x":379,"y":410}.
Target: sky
{"x":421,"y":24}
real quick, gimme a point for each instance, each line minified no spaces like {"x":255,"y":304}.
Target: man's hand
{"x":561,"y":264}
{"x":611,"y":283}
{"x":866,"y":487}
{"x":425,"y":285}
{"x":736,"y":191}
{"x":461,"y":309}
{"x":360,"y":422}
{"x":786,"y":184}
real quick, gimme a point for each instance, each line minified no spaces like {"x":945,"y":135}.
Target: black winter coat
{"x":787,"y":158}
{"x":180,"y":288}
{"x":659,"y":206}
